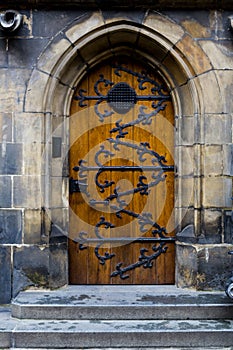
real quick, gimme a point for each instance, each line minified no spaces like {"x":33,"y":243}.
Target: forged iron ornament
{"x":121,"y":98}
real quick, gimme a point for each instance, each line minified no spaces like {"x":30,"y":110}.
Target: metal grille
{"x":121,"y":98}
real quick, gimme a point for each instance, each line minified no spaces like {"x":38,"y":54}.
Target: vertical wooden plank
{"x":93,"y":272}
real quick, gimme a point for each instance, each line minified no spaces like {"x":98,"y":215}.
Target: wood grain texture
{"x":87,"y":135}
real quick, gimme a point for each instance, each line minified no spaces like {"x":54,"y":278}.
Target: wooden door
{"x":121,"y":177}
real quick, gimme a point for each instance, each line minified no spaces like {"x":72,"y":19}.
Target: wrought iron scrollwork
{"x":121,"y":98}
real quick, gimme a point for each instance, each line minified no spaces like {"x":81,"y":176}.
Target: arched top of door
{"x":90,"y":39}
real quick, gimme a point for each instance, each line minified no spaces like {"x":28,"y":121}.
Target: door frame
{"x":59,"y":71}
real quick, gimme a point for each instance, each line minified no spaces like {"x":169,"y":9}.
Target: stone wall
{"x":39,"y":67}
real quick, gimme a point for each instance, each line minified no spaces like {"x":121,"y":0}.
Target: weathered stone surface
{"x":186,"y":267}
{"x":11,"y":158}
{"x":3,"y":56}
{"x":212,"y":160}
{"x":59,"y":226}
{"x":133,"y":16}
{"x":228,"y":226}
{"x":5,"y":275}
{"x":228,"y":160}
{"x":212,"y":227}
{"x":214,"y":267}
{"x":85,"y":24}
{"x":52,"y":53}
{"x":217,"y":192}
{"x":5,"y":127}
{"x":210,"y":93}
{"x":194,"y":54}
{"x":28,"y":128}
{"x":58,"y":265}
{"x":165,"y":26}
{"x":218,"y":129}
{"x":32,"y":263}
{"x":32,"y":226}
{"x":220,"y":53}
{"x":225,"y":81}
{"x":5,"y":191}
{"x":27,"y":191}
{"x":196,"y":29}
{"x":49,"y":23}
{"x":187,"y":235}
{"x":10,"y":226}
{"x":25,"y":52}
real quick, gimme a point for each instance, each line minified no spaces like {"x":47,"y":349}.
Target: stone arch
{"x":82,"y":45}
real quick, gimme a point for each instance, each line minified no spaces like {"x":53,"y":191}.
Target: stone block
{"x":210,"y":93}
{"x":5,"y":127}
{"x":214,"y":267}
{"x":31,"y":264}
{"x":58,"y":265}
{"x":228,"y":160}
{"x":184,"y":217}
{"x":32,"y":226}
{"x":147,"y":45}
{"x":17,"y":81}
{"x":219,"y":53}
{"x":186,"y":125}
{"x":59,"y":192}
{"x":195,"y":28}
{"x":23,"y":53}
{"x":186,"y":266}
{"x":59,"y":228}
{"x":5,"y":275}
{"x":177,"y":74}
{"x":33,"y":158}
{"x":52,"y":53}
{"x":212,"y":160}
{"x":225,"y":81}
{"x":211,"y":227}
{"x":217,"y":192}
{"x":27,"y":192}
{"x":185,"y":188}
{"x":164,"y":26}
{"x":218,"y":129}
{"x":131,"y":16}
{"x":5,"y":191}
{"x":10,"y":226}
{"x":10,"y":158}
{"x":49,"y":23}
{"x":6,"y":96}
{"x":194,"y":54}
{"x":84,"y":25}
{"x":185,"y":165}
{"x":28,"y":128}
{"x":3,"y":56}
{"x":228,"y":226}
{"x":34,"y":99}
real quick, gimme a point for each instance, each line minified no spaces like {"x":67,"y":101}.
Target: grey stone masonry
{"x":41,"y":65}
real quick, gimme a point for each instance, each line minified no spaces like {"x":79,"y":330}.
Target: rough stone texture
{"x":187,"y":266}
{"x":11,"y":158}
{"x":40,"y":66}
{"x":32,"y":226}
{"x":214,"y":267}
{"x":10,"y":226}
{"x":5,"y":192}
{"x":5,"y":275}
{"x":31,"y":267}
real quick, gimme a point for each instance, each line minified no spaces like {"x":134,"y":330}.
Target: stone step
{"x":45,"y":334}
{"x":122,"y":303}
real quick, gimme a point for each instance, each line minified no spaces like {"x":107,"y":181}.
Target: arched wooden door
{"x":121,"y":177}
